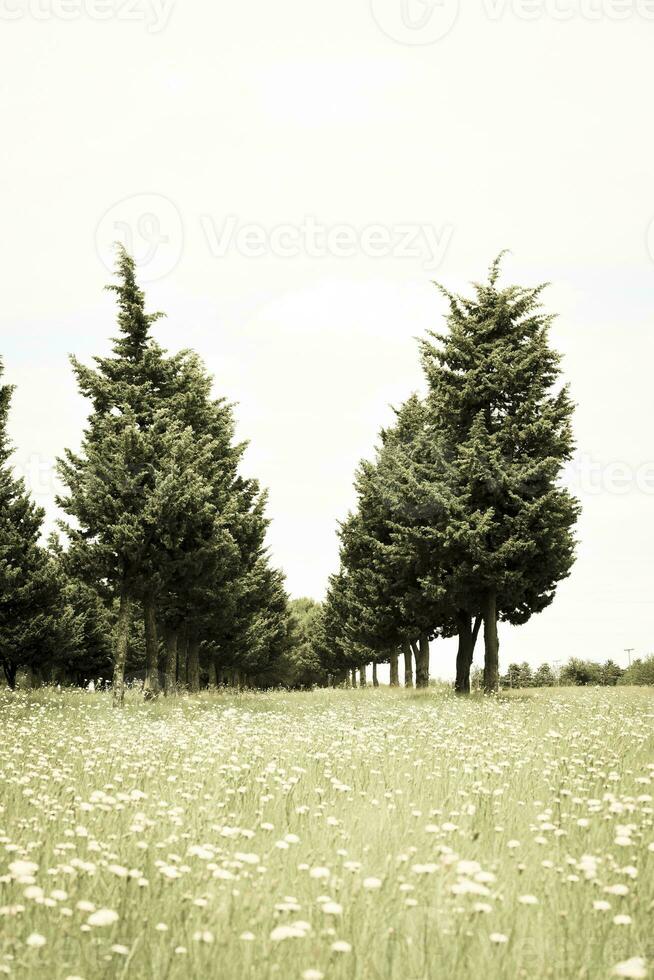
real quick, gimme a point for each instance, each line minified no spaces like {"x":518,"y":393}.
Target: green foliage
{"x":31,"y":625}
{"x":641,"y":672}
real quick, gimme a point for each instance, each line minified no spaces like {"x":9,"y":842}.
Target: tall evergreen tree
{"x":110,"y":482}
{"x":31,"y":623}
{"x":504,"y":421}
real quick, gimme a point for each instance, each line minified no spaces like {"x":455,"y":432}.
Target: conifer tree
{"x":30,"y":620}
{"x":504,"y":423}
{"x":110,"y":482}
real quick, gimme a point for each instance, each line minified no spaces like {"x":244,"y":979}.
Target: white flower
{"x":468,"y":867}
{"x":120,"y":950}
{"x":287,"y":932}
{"x":635,"y":968}
{"x":498,"y":937}
{"x":528,"y":900}
{"x":622,"y":920}
{"x":35,"y":940}
{"x":371,"y":883}
{"x":319,"y":873}
{"x":312,"y":975}
{"x":203,"y":936}
{"x":341,"y":946}
{"x":22,"y":869}
{"x":424,"y":869}
{"x":332,"y":908}
{"x":103,"y":917}
{"x":601,"y":906}
{"x":617,"y":890}
{"x":248,"y":937}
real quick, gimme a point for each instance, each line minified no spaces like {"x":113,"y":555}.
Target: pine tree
{"x":30,"y":620}
{"x":504,"y":423}
{"x":110,"y":482}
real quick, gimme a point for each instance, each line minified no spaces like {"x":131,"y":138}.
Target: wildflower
{"x":372,"y":883}
{"x":35,"y":940}
{"x":247,"y":937}
{"x":341,"y":946}
{"x":498,"y":937}
{"x":319,"y":873}
{"x":23,"y":869}
{"x":622,"y":920}
{"x":120,"y":950}
{"x":635,"y":968}
{"x":528,"y":900}
{"x":103,"y":917}
{"x":332,"y":908}
{"x":312,"y":975}
{"x":601,"y":906}
{"x":296,"y":931}
{"x":203,"y":936}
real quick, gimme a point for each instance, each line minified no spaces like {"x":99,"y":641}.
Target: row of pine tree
{"x":164,"y":537}
{"x":461,"y":520}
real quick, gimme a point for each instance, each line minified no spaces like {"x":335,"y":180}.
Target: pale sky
{"x":291,"y":176}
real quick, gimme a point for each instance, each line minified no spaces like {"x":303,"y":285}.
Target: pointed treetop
{"x":133,"y":321}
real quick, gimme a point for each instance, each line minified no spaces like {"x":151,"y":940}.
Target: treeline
{"x":461,"y":520}
{"x":163,"y":568}
{"x":576,"y":673}
{"x":162,"y":573}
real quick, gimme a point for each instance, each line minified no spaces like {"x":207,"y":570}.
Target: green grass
{"x":175,"y":816}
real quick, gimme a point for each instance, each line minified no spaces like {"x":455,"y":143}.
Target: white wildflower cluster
{"x":298,"y":836}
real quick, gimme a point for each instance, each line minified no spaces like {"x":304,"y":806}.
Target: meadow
{"x":365,"y":833}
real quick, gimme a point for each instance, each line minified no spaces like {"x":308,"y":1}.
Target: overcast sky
{"x":291,"y":177}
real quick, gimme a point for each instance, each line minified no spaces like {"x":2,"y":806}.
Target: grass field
{"x":367,"y":833}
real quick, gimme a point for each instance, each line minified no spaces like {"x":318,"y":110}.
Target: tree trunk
{"x":193,"y":664}
{"x":10,"y":669}
{"x":170,"y":662}
{"x":182,"y":657}
{"x":491,"y":644}
{"x":213,"y":672}
{"x":121,"y":644}
{"x":375,"y":679}
{"x":354,"y":677}
{"x":151,"y":682}
{"x":422,"y":662}
{"x":408,"y":665}
{"x":362,"y":676}
{"x":395,"y":673}
{"x":464,"y":653}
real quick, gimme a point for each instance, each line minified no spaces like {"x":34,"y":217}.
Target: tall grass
{"x":369,"y":833}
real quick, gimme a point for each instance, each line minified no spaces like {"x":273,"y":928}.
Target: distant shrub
{"x":641,"y":672}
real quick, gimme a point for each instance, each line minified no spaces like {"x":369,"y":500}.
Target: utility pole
{"x":629,"y":651}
